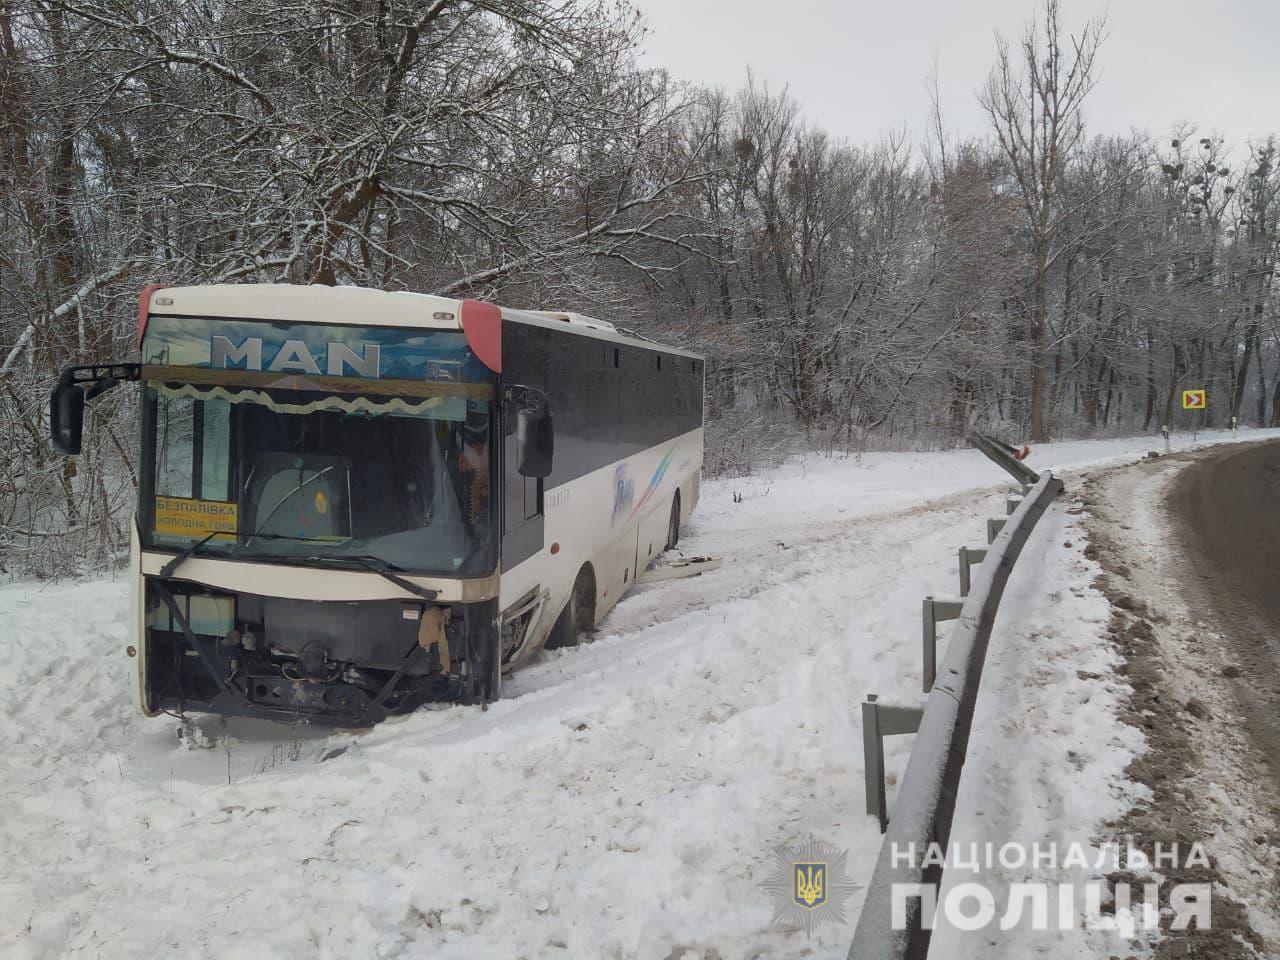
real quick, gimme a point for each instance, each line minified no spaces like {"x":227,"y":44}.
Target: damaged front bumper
{"x":337,"y":663}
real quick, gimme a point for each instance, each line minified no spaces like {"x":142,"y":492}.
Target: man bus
{"x":351,"y":501}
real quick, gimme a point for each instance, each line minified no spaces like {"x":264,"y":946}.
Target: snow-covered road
{"x":622,"y":800}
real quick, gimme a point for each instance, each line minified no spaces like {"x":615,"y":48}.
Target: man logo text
{"x":294,"y":357}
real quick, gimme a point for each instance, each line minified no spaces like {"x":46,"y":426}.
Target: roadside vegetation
{"x":1035,"y":282}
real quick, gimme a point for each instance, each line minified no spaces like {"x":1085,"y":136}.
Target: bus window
{"x":193,"y":443}
{"x":175,"y":443}
{"x":215,"y":460}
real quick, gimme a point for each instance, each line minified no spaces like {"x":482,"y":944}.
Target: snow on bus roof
{"x":590,"y":327}
{"x":578,"y":318}
{"x":311,"y":303}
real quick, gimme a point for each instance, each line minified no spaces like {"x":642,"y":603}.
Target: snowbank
{"x":624,"y":799}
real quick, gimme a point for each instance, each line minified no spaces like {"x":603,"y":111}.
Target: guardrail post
{"x":873,"y":761}
{"x":968,"y":557}
{"x":994,"y":526}
{"x":924,"y":805}
{"x":880,"y":720}
{"x":932,"y":613}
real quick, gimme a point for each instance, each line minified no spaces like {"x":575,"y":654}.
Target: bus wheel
{"x":673,"y":525}
{"x":578,"y":616}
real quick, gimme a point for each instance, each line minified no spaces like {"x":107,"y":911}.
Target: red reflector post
{"x":482,"y":324}
{"x":144,"y":307}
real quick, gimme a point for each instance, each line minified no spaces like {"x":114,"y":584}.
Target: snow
{"x":895,"y":480}
{"x":623,"y":799}
{"x":1233,"y":792}
{"x":1049,"y":682}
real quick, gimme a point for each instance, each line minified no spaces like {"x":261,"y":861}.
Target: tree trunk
{"x":1151,"y":382}
{"x":1038,"y":432}
{"x":1275,"y":403}
{"x":1092,"y":393}
{"x":1175,"y":378}
{"x":1262,"y":391}
{"x":1250,"y":344}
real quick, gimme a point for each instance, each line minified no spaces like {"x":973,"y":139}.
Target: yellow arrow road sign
{"x":1193,"y":400}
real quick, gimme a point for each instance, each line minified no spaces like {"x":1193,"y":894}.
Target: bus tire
{"x":673,"y":525}
{"x":578,"y":616}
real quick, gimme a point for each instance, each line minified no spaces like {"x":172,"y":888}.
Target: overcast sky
{"x":858,"y":68}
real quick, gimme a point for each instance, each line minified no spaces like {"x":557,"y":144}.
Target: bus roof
{"x":361,"y":306}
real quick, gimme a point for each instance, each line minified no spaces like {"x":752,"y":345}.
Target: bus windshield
{"x":397,"y":471}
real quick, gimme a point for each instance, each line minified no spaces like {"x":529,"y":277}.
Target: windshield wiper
{"x":167,"y":570}
{"x":281,"y":502}
{"x":382,"y":568}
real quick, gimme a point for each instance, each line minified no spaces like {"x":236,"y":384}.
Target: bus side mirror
{"x":535,"y":437}
{"x":66,"y":417}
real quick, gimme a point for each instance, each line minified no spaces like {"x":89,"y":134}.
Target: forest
{"x":1037,"y":282}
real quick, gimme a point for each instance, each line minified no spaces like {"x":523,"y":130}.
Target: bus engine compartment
{"x":338,"y":663}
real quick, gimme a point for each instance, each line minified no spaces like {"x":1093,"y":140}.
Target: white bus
{"x":351,"y":501}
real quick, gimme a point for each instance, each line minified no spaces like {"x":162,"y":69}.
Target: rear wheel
{"x":673,"y":525}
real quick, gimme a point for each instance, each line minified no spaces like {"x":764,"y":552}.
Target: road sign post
{"x":1195,"y":400}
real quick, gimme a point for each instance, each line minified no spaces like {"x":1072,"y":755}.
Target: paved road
{"x":1228,"y":506}
{"x":1231,"y":507}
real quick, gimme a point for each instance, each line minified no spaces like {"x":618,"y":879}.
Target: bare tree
{"x":1034,"y":100}
{"x":1257,"y":235}
{"x":844,"y":294}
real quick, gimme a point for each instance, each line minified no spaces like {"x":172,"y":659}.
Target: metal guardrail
{"x":926,"y":798}
{"x":1006,"y":457}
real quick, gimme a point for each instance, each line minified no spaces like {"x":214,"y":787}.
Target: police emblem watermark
{"x":809,"y":885}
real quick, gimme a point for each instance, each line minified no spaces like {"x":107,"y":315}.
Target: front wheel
{"x":578,"y":616}
{"x":564,"y":632}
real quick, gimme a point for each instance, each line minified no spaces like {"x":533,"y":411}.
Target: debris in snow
{"x":676,"y":569}
{"x":1197,"y":709}
{"x":191,"y":736}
